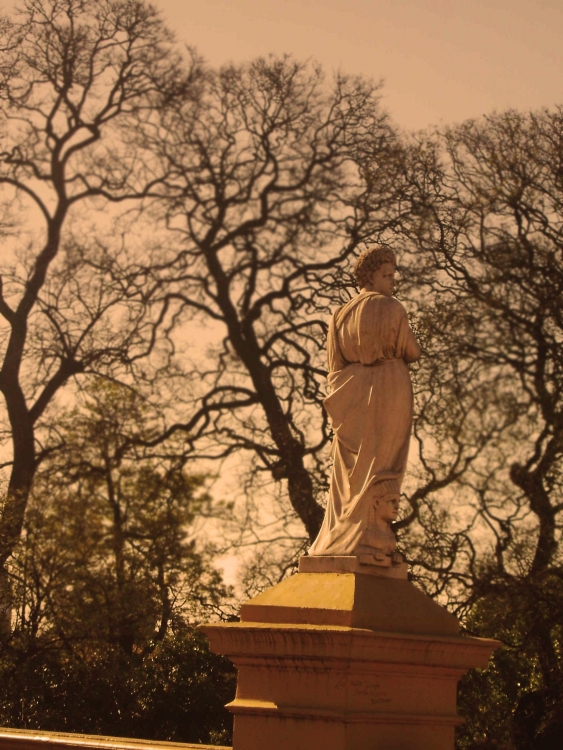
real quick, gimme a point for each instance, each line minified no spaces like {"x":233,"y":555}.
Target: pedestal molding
{"x":300,"y":642}
{"x":269,"y":708}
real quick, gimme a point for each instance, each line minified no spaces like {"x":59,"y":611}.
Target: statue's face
{"x":388,"y":508}
{"x":383,"y":280}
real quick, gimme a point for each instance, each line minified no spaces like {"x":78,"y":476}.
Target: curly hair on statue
{"x":369,"y":261}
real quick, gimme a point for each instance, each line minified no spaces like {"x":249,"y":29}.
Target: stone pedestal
{"x":346,"y":661}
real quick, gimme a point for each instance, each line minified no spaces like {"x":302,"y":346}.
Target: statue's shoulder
{"x":389,"y":305}
{"x":398,"y":305}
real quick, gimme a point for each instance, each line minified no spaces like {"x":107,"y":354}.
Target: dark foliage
{"x":177,"y":694}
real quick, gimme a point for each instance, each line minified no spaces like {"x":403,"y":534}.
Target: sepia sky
{"x":442,"y":60}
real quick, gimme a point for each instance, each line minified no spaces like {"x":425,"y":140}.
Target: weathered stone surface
{"x":351,"y":599}
{"x":370,"y":409}
{"x":368,"y":663}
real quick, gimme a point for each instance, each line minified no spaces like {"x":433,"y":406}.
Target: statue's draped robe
{"x":370,"y":410}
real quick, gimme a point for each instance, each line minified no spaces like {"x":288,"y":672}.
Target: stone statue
{"x":370,"y":407}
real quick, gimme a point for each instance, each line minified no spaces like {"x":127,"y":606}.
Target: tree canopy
{"x":76,"y":75}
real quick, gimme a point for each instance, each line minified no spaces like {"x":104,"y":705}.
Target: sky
{"x":442,"y":61}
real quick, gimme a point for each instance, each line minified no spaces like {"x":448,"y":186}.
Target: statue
{"x":369,"y":345}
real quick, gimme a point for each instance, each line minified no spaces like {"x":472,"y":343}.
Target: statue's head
{"x":369,"y":261}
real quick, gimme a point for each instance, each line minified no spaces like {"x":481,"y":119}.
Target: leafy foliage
{"x":106,"y":583}
{"x":516,"y":703}
{"x":177,"y":694}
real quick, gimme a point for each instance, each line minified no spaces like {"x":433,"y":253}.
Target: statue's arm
{"x":412,"y":350}
{"x":407,"y":345}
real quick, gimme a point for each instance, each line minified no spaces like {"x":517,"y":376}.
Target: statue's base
{"x":367,"y":564}
{"x":346,"y":661}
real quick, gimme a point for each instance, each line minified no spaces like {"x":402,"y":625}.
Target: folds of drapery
{"x":370,"y":410}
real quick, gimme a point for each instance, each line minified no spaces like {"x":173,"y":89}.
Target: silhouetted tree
{"x":75,"y":77}
{"x":273,"y":181}
{"x":484,"y":268}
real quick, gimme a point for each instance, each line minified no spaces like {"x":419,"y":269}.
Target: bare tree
{"x":75,"y":77}
{"x":489,"y":261}
{"x":272,"y":185}
{"x":485,"y":273}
